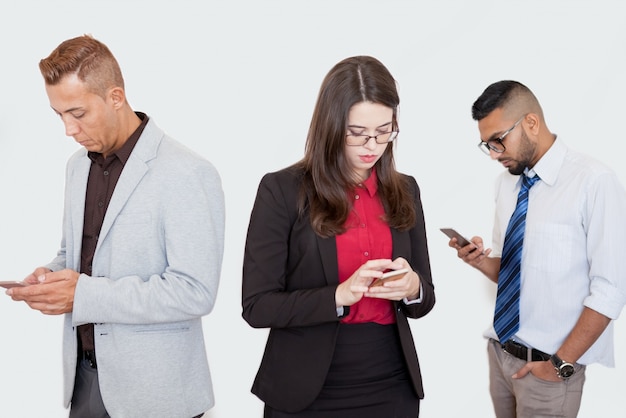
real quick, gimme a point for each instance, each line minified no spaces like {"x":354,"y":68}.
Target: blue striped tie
{"x":506,"y":319}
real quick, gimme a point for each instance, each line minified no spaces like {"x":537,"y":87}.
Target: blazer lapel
{"x":130,"y":178}
{"x":328,"y":253}
{"x":400,"y":244}
{"x":134,"y":170}
{"x":77,"y":188}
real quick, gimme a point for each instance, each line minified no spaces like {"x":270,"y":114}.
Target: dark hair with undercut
{"x":326,"y":181}
{"x":499,"y":95}
{"x":89,"y":59}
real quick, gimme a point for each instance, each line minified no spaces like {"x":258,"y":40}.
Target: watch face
{"x":567,"y":370}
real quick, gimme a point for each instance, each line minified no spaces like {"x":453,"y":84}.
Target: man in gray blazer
{"x":141,"y":253}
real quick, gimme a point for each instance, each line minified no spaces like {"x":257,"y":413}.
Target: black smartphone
{"x":452,"y":233}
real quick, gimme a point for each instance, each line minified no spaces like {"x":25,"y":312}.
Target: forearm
{"x":135,"y":300}
{"x":284,"y":309}
{"x":591,"y":324}
{"x":490,"y":267}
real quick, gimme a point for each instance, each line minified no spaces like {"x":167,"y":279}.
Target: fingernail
{"x":42,"y":278}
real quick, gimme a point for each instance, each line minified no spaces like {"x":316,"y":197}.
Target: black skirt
{"x":368,"y":378}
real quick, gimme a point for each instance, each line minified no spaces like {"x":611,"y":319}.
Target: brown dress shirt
{"x":103,"y":176}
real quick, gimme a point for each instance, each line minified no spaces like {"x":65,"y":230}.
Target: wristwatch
{"x":563,"y":369}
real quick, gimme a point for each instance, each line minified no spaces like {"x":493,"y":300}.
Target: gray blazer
{"x":156,"y":271}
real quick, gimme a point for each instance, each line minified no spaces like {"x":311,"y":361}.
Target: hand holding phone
{"x":460,"y":239}
{"x":452,"y":233}
{"x":394,"y":274}
{"x":12,"y":283}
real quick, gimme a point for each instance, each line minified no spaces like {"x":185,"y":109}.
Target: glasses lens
{"x":484,"y":147}
{"x":355,"y":140}
{"x":489,"y":146}
{"x":388,"y":137}
{"x":496,"y":145}
{"x":352,"y":139}
{"x":383,"y":138}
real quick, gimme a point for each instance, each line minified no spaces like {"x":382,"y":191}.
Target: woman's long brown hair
{"x":326,"y":179}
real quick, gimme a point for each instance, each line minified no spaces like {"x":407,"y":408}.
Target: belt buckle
{"x":517,"y":350}
{"x":521,"y":349}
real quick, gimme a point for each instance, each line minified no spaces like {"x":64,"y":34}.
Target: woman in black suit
{"x":321,"y":233}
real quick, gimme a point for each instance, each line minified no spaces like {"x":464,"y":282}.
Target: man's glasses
{"x":496,"y":144}
{"x":353,"y":139}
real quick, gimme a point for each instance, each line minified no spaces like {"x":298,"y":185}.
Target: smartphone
{"x":388,"y":274}
{"x":12,"y":283}
{"x":460,"y":239}
{"x":452,"y":233}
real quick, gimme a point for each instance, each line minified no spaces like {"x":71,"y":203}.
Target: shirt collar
{"x":371,"y":183}
{"x":123,"y":154}
{"x":549,"y":165}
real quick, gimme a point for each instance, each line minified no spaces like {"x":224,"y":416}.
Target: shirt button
{"x":106,"y":173}
{"x":362,"y":225}
{"x":356,"y":197}
{"x":366,"y":254}
{"x":100,"y":204}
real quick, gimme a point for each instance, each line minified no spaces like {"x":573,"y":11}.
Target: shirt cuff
{"x":343,"y":311}
{"x":411,"y":302}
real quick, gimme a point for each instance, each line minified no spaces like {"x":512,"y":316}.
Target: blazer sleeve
{"x":161,"y":259}
{"x":284,"y":284}
{"x":417,"y":255}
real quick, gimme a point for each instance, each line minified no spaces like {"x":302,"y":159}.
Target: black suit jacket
{"x":289,"y":281}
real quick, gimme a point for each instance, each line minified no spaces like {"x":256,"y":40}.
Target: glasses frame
{"x":366,"y":138}
{"x":487,"y":146}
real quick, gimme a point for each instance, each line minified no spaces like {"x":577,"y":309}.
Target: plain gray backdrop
{"x":237,"y":82}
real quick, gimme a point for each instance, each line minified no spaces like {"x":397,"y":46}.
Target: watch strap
{"x":563,"y":369}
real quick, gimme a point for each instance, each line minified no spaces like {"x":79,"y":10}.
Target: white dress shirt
{"x":574,"y":252}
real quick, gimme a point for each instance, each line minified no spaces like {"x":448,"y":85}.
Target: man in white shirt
{"x":573,"y":263}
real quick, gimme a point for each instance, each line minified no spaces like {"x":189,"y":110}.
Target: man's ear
{"x":532,"y":123}
{"x":117,"y":96}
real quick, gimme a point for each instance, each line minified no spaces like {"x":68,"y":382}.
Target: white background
{"x":237,"y":82}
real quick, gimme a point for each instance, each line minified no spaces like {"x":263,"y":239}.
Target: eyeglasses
{"x":353,"y":139}
{"x":496,"y":144}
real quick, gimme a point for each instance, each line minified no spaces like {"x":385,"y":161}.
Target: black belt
{"x":90,"y":357}
{"x":521,"y":352}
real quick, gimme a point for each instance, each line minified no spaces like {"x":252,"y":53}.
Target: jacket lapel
{"x":77,"y":189}
{"x":135,"y":168}
{"x":328,"y":253}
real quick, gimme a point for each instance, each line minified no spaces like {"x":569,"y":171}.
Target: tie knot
{"x":527,"y":182}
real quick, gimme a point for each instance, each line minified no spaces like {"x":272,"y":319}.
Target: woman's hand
{"x":397,"y":287}
{"x":352,"y":290}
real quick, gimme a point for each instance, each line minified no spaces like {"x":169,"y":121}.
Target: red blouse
{"x":367,"y":237}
